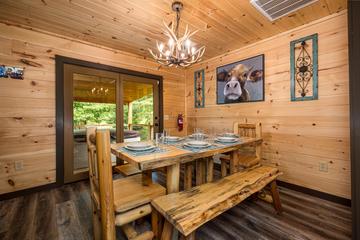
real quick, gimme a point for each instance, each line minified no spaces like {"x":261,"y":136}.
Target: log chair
{"x":117,"y":202}
{"x":249,"y":156}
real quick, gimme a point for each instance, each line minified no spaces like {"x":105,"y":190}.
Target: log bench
{"x":190,"y":209}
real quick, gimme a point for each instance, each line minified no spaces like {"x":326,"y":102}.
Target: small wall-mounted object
{"x":304,"y":68}
{"x":11,"y":72}
{"x":199,"y":88}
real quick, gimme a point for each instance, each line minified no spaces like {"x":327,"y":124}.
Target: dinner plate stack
{"x":140,"y":147}
{"x":172,"y":139}
{"x":197,"y":144}
{"x":223,"y":139}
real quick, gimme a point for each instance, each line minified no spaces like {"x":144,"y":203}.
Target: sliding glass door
{"x":127,"y":105}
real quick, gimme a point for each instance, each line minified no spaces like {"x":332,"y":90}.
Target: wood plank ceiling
{"x":135,"y":25}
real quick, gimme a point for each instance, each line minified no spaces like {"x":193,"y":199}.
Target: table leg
{"x":200,"y":172}
{"x":234,"y":162}
{"x":188,"y":175}
{"x":173,"y":178}
{"x":147,"y":177}
{"x":209,"y":169}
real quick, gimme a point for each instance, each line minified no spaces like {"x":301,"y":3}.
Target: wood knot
{"x":30,"y":63}
{"x":11,"y":182}
{"x":33,"y":83}
{"x":50,"y":125}
{"x":18,"y":118}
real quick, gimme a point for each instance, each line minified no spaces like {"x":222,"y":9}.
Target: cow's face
{"x":235,"y":82}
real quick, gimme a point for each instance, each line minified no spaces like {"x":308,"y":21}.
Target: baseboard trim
{"x":312,"y":192}
{"x":23,"y":192}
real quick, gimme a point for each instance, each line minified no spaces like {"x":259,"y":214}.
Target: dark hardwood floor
{"x":64,"y":213}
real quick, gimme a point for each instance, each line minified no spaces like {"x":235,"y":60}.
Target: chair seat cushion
{"x":130,"y":193}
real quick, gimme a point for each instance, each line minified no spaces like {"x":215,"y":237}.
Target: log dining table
{"x":172,"y":156}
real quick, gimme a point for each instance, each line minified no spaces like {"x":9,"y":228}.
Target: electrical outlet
{"x":18,"y":165}
{"x":323,"y":167}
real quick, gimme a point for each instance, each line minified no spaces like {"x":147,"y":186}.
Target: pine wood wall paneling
{"x":297,"y":135}
{"x":133,"y":26}
{"x":27,"y":107}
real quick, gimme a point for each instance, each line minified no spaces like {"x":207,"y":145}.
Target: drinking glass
{"x":158,"y":139}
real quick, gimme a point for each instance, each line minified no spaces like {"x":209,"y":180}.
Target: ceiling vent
{"x":274,"y":9}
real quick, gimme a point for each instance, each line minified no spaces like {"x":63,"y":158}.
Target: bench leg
{"x":188,"y":176}
{"x":191,"y":236}
{"x":167,"y":231}
{"x":156,"y":223}
{"x":223,"y":168}
{"x":275,"y":195}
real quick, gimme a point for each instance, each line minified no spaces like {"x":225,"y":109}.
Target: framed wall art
{"x":199,"y":88}
{"x":11,"y":72}
{"x":241,"y":81}
{"x":304,"y":68}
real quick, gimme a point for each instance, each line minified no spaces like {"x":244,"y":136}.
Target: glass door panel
{"x":94,"y":104}
{"x":91,"y":101}
{"x":140,"y":108}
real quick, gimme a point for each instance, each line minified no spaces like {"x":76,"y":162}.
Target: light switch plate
{"x":19,"y":165}
{"x":323,"y":167}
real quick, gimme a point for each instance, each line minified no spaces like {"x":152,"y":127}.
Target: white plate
{"x":229,"y":135}
{"x":197,"y":146}
{"x":141,"y":149}
{"x":226,"y":139}
{"x":173,"y":139}
{"x":197,"y":143}
{"x":139,"y":145}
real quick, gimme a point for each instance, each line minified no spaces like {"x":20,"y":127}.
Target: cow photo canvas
{"x":242,"y":81}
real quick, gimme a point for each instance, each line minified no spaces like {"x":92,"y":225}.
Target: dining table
{"x":172,"y":155}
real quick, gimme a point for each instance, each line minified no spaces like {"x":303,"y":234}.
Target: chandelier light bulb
{"x":161,"y":47}
{"x":188,"y":43}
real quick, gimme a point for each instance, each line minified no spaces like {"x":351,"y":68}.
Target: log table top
{"x":175,"y":155}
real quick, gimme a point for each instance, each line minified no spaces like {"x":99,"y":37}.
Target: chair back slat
{"x":249,"y":130}
{"x":92,"y":162}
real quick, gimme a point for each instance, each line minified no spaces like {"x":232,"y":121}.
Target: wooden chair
{"x":117,"y":202}
{"x":248,"y":156}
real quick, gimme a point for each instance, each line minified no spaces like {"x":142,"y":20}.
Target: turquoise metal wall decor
{"x":304,"y":68}
{"x":199,"y":88}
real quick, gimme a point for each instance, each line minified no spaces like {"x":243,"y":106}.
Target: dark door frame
{"x":354,"y":78}
{"x":59,"y":65}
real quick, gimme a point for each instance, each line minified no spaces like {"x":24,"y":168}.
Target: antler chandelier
{"x":179,"y":51}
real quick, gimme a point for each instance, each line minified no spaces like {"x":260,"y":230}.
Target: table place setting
{"x":141,"y":148}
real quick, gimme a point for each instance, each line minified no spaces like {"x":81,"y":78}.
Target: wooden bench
{"x":188,"y":210}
